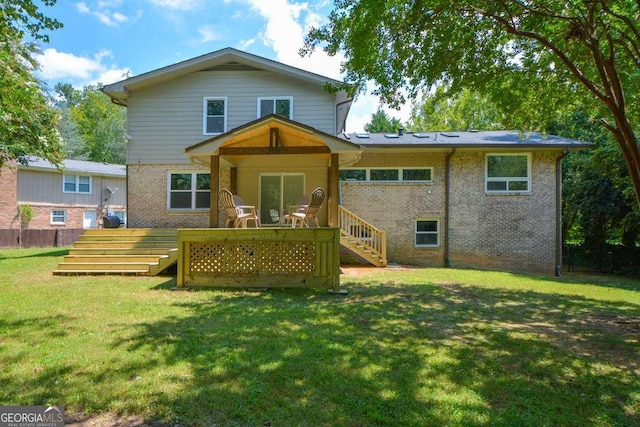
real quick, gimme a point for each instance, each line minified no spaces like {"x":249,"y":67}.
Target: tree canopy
{"x":28,"y":122}
{"x":532,"y":58}
{"x":381,"y":122}
{"x":461,"y":111}
{"x":92,"y":126}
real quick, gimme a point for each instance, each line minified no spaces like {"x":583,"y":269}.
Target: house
{"x":271,"y":133}
{"x":75,"y":196}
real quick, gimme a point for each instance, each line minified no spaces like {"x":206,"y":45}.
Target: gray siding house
{"x":75,"y":196}
{"x":271,"y":133}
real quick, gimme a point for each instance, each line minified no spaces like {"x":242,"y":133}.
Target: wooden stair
{"x":362,"y":238}
{"x":138,"y":251}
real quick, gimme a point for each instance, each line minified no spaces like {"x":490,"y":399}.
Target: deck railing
{"x":363,"y":235}
{"x":259,"y":257}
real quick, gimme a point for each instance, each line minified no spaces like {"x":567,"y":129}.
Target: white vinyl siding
{"x":165,"y":119}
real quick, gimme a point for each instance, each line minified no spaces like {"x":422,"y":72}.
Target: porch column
{"x":333,"y":191}
{"x":215,"y":189}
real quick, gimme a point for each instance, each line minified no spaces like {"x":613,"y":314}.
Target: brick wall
{"x":506,"y":232}
{"x":147,"y":198}
{"x":9,"y":201}
{"x":395,"y":207}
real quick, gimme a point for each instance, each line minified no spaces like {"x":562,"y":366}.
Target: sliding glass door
{"x":277,"y":192}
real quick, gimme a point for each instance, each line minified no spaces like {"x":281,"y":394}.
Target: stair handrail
{"x":375,"y":240}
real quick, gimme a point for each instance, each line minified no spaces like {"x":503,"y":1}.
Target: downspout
{"x":447,"y":184}
{"x":559,"y":212}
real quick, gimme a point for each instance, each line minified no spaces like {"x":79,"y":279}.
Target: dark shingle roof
{"x":479,"y":139}
{"x":82,"y":166}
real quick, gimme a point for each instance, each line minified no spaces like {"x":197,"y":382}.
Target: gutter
{"x":447,"y":185}
{"x":564,"y":154}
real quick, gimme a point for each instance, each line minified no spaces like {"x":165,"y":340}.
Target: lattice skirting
{"x":252,"y":257}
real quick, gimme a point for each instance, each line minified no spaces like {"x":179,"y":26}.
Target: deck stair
{"x":362,"y":238}
{"x":137,"y":251}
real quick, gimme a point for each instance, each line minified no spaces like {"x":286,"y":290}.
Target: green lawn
{"x":409,"y":347}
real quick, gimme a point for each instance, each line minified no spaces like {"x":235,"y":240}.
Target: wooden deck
{"x":260,"y":257}
{"x":136,"y":251}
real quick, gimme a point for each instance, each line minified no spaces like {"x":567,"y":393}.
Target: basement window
{"x":188,"y":191}
{"x":427,"y":233}
{"x":58,"y":217}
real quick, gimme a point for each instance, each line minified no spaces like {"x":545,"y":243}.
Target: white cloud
{"x":245,"y":44}
{"x":104,"y":13}
{"x":178,"y":4}
{"x":58,"y":66}
{"x":208,"y":34}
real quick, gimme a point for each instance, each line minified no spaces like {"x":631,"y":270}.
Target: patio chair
{"x":286,"y":218}
{"x":306,"y":213}
{"x":238,"y":214}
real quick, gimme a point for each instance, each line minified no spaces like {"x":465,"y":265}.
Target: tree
{"x":381,"y":122}
{"x":462,"y":111}
{"x":28,"y":122}
{"x":92,"y":126}
{"x":531,"y":57}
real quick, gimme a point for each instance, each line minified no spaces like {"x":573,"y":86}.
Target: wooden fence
{"x":42,"y":238}
{"x":260,"y":257}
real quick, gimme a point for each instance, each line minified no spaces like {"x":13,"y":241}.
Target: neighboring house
{"x":271,"y":133}
{"x":77,"y":195}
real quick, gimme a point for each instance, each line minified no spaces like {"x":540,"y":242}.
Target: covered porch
{"x":271,"y":163}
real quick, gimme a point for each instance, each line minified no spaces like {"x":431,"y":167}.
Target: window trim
{"x":416,"y":233}
{"x":76,"y":183}
{"x":274,"y":99}
{"x":64,"y":215}
{"x":487,"y":179}
{"x":400,"y":175}
{"x":193,"y":190}
{"x":204,"y":114}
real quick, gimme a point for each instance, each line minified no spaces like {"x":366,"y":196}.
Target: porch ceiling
{"x":268,"y":136}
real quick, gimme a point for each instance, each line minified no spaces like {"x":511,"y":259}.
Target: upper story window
{"x":387,"y":174}
{"x":76,"y":184}
{"x":508,"y":173}
{"x":280,"y":105}
{"x":189,"y":190}
{"x":215,"y":116}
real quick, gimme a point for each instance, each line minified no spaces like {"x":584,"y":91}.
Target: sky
{"x":104,"y":40}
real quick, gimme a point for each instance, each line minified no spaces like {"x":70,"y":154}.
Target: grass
{"x":409,"y":347}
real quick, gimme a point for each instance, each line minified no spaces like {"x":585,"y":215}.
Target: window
{"x":58,"y":217}
{"x":384,"y":175}
{"x":388,"y":175}
{"x":427,"y":233}
{"x":76,"y":184}
{"x":353,"y":175}
{"x":215,"y":116}
{"x":282,"y":106}
{"x":508,"y":173}
{"x":189,"y":190}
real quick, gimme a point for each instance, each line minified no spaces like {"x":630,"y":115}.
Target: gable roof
{"x":227,"y":58}
{"x":256,"y":136}
{"x":469,"y":139}
{"x":79,"y":166}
